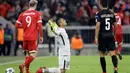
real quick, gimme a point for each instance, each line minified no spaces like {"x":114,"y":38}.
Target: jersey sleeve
{"x":97,"y":17}
{"x":18,"y":23}
{"x":39,"y":24}
{"x":39,"y":18}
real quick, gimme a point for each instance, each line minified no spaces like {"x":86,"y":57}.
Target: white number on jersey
{"x":118,"y":20}
{"x":107,"y":21}
{"x":28,"y":20}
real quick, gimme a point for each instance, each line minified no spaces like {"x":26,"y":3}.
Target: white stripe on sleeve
{"x":18,"y":22}
{"x":39,"y":21}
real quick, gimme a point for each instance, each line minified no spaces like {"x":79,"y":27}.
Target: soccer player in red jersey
{"x":118,"y":37}
{"x":31,"y":23}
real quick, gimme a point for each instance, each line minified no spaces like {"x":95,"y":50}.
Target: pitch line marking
{"x":20,"y":61}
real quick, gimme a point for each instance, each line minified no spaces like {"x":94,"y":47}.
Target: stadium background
{"x":78,"y":13}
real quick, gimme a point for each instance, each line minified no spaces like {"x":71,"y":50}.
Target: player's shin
{"x":115,"y":62}
{"x":119,"y":51}
{"x":30,"y":59}
{"x":119,"y":47}
{"x":103,"y":64}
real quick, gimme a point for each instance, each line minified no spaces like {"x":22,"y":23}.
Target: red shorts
{"x":119,"y":38}
{"x":30,"y":46}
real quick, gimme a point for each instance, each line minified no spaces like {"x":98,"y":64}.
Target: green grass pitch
{"x":79,"y":64}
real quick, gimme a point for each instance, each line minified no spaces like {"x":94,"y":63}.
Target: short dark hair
{"x":33,"y":3}
{"x":108,"y":3}
{"x":103,"y":3}
{"x":58,"y":21}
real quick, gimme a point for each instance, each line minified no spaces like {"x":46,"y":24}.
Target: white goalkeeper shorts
{"x":64,"y":61}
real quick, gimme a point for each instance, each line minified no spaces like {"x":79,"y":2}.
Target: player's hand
{"x":53,"y":25}
{"x":41,"y":39}
{"x":116,"y":44}
{"x":96,"y":41}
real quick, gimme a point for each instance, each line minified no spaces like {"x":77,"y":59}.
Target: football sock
{"x":29,"y":60}
{"x":119,"y":48}
{"x":103,"y":64}
{"x":26,"y":58}
{"x":27,"y":67}
{"x":115,"y":62}
{"x":53,"y":70}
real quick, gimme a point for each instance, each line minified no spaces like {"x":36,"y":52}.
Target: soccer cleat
{"x":21,"y":68}
{"x":120,"y":56}
{"x":115,"y":71}
{"x":40,"y":70}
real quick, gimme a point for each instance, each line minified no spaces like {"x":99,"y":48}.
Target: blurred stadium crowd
{"x":82,"y":11}
{"x":76,"y":12}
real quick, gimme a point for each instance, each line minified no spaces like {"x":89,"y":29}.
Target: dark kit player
{"x":104,"y":36}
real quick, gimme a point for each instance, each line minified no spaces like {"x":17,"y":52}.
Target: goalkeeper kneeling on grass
{"x":64,"y":47}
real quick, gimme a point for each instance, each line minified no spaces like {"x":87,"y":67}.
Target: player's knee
{"x":112,"y":53}
{"x":34,"y":54}
{"x":26,"y":53}
{"x":102,"y":54}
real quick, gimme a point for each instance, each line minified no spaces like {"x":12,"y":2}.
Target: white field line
{"x":17,"y":61}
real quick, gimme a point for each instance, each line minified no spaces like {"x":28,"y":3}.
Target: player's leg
{"x":61,"y":63}
{"x":16,"y":48}
{"x":103,"y":61}
{"x":27,"y":54}
{"x":77,"y":52}
{"x":48,"y":70}
{"x":9,"y":48}
{"x":119,"y":51}
{"x":30,"y":58}
{"x":114,"y":60}
{"x":5,"y":48}
{"x":50,"y":47}
{"x":32,"y":47}
{"x":119,"y":40}
{"x":112,"y":49}
{"x":52,"y":70}
{"x":119,"y":47}
{"x":102,"y":50}
{"x":25,"y":49}
{"x":64,"y":63}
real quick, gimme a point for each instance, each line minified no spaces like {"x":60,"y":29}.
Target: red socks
{"x":28,"y":60}
{"x":119,"y":47}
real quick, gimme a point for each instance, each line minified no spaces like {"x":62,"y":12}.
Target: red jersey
{"x":119,"y":17}
{"x":31,"y":23}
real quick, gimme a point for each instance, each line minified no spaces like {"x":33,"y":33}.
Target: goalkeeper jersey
{"x":63,"y":41}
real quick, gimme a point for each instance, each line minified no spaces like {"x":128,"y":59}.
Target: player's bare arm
{"x":41,"y":33}
{"x":115,"y":27}
{"x":97,"y":32}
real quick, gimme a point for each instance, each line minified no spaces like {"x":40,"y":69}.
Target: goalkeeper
{"x":63,"y":45}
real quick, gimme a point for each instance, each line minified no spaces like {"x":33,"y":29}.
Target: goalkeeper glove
{"x":53,"y":25}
